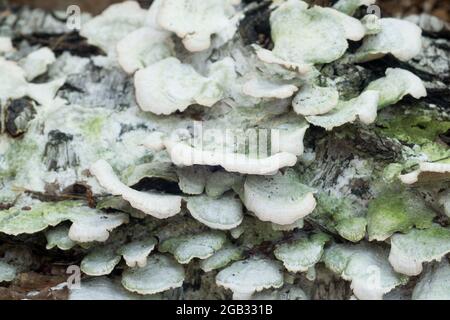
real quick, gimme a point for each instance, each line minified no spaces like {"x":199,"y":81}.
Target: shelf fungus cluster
{"x":228,"y":149}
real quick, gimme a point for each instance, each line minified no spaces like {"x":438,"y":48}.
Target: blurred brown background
{"x":440,"y":8}
{"x":93,"y":6}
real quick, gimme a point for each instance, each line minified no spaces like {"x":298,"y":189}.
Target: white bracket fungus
{"x":169,"y":85}
{"x":364,"y":108}
{"x":246,"y":277}
{"x":221,"y":258}
{"x":409,"y":251}
{"x":100,"y":261}
{"x":96,"y":227}
{"x":397,"y":84}
{"x":281,"y":199}
{"x":263,"y":88}
{"x":353,"y":28}
{"x":37,"y":62}
{"x":160,"y":274}
{"x":304,"y":37}
{"x":130,"y":34}
{"x":367,"y":268}
{"x":287,"y":134}
{"x":219,"y":182}
{"x":142,"y":48}
{"x":434,"y":283}
{"x":192,"y":180}
{"x":313,"y":100}
{"x":136,"y":252}
{"x":201,"y":246}
{"x":160,"y":206}
{"x":59,"y":237}
{"x":13,"y":85}
{"x":87,"y":224}
{"x":222,"y":213}
{"x":303,"y":253}
{"x":400,"y":38}
{"x":103,"y":288}
{"x":116,"y":22}
{"x":371,"y":23}
{"x":151,"y":19}
{"x":261,"y":150}
{"x":184,"y":151}
{"x":195,"y":21}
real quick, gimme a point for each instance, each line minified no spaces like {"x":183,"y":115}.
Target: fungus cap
{"x":397,"y":84}
{"x":103,"y":288}
{"x":246,"y":277}
{"x":37,"y":62}
{"x":113,"y":24}
{"x":160,"y":206}
{"x":100,"y":261}
{"x":169,"y":85}
{"x":96,"y":227}
{"x":142,"y":48}
{"x":161,"y":273}
{"x":262,"y":88}
{"x":221,"y":258}
{"x":281,"y":199}
{"x":363,"y":108}
{"x":223,"y":213}
{"x":201,"y":246}
{"x":195,"y":21}
{"x":313,"y":100}
{"x":301,"y":254}
{"x":183,"y":153}
{"x":13,"y":85}
{"x":367,"y":268}
{"x":409,"y":251}
{"x":400,"y":38}
{"x":59,"y":237}
{"x":135,"y":253}
{"x":304,"y":37}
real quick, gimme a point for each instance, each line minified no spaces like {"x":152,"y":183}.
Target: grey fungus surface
{"x":161,"y":273}
{"x":246,"y":277}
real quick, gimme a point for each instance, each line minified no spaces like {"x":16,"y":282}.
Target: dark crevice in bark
{"x":66,"y":42}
